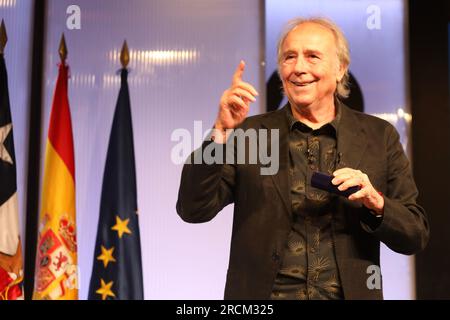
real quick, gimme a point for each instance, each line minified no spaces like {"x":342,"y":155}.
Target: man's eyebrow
{"x":312,"y":51}
{"x":285,"y":53}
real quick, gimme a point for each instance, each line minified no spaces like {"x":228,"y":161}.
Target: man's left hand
{"x":368,"y":196}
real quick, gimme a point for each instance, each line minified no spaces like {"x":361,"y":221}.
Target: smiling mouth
{"x":302,"y":84}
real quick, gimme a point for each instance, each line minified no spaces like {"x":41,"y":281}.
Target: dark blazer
{"x":263,"y":217}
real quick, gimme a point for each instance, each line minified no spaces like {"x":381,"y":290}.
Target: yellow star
{"x":121,"y":226}
{"x":106,"y":256}
{"x":105,"y":290}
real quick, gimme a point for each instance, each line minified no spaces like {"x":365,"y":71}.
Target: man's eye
{"x":313,"y":56}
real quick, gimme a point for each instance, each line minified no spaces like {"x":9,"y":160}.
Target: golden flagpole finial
{"x":3,"y":37}
{"x":125,"y":55}
{"x":63,"y":49}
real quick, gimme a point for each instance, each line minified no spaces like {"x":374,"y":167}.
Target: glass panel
{"x":183,"y":54}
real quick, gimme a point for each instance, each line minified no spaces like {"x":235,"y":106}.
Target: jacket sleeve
{"x":404,"y":227}
{"x":205,"y":189}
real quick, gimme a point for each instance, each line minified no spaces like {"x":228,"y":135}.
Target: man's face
{"x":309,"y":66}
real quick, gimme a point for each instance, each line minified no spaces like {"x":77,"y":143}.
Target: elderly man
{"x":291,"y":240}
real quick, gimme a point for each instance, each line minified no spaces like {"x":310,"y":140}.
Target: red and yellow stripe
{"x":56,"y":263}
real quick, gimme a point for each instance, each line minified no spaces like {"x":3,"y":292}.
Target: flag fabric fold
{"x":11,"y":266}
{"x":117,"y":265}
{"x":56,"y":259}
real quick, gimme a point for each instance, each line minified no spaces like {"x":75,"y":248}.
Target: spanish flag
{"x":56,"y":259}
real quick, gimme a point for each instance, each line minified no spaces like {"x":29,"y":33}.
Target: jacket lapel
{"x":351,"y":140}
{"x":278,"y":120}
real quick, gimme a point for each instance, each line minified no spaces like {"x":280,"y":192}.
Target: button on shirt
{"x":308,"y":268}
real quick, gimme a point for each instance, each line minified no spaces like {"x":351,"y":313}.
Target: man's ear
{"x":342,"y":69}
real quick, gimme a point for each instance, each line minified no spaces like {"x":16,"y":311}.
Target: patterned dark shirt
{"x":309,"y":269}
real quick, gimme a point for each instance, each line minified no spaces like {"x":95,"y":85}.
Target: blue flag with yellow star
{"x":117,"y":268}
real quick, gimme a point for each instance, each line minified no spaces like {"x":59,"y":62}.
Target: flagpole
{"x":63,"y":49}
{"x":125,"y":55}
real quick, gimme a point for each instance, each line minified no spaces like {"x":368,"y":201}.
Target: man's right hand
{"x":234,"y":103}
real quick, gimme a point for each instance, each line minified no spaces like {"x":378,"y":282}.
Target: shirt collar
{"x":294,"y":123}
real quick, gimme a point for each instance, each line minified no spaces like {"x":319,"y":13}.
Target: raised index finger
{"x":237,"y":77}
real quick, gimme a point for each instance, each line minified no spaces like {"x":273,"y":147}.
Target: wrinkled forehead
{"x":310,"y":36}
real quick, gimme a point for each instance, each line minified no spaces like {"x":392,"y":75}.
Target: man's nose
{"x":300,"y":66}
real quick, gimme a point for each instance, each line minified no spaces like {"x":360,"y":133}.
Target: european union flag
{"x":117,"y":270}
